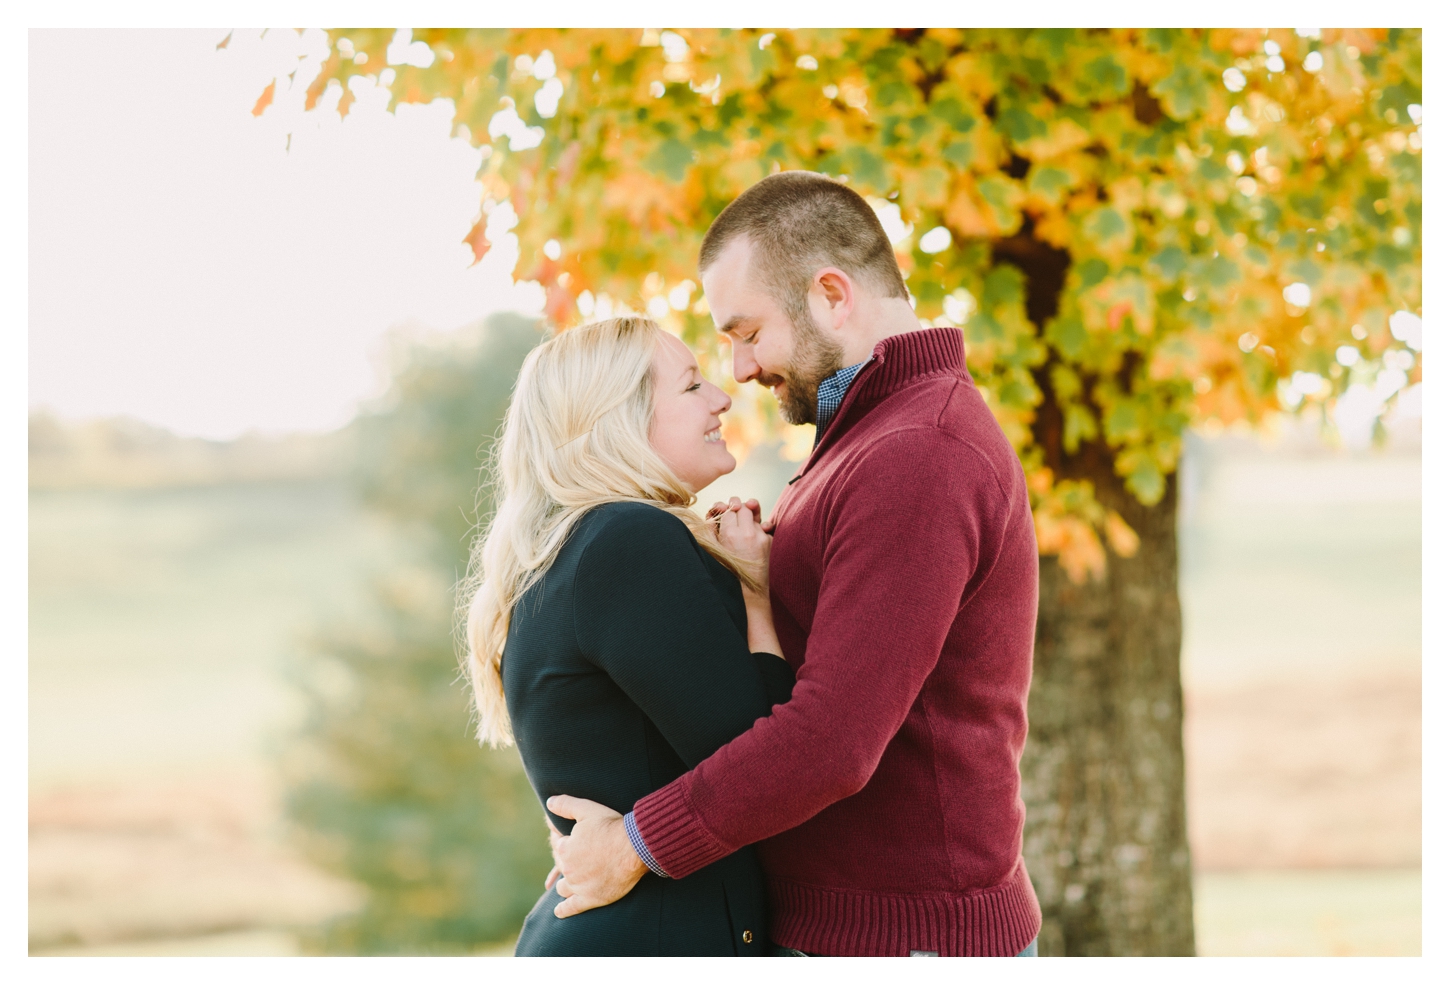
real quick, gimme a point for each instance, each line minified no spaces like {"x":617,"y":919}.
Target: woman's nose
{"x":721,"y":403}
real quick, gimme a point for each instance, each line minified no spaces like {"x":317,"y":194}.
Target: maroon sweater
{"x":903,"y":574}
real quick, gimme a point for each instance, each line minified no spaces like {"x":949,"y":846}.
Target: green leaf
{"x":1309,"y":205}
{"x":1215,"y":272}
{"x":1104,"y":225}
{"x":1160,"y":38}
{"x":1170,"y":261}
{"x":1107,"y":76}
{"x":984,"y":328}
{"x":1049,"y":182}
{"x":1003,"y":286}
{"x":892,"y":92}
{"x":1068,"y":334}
{"x":1306,"y":270}
{"x":866,"y":169}
{"x":1183,"y":93}
{"x":704,"y":139}
{"x":1017,"y":394}
{"x":959,"y":152}
{"x":1019,"y":125}
{"x":1078,"y":426}
{"x":1398,"y":97}
{"x":1066,"y":384}
{"x":762,"y":60}
{"x":1001,"y":194}
{"x":1036,"y":70}
{"x":951,"y":111}
{"x":1389,"y":258}
{"x":670,"y":159}
{"x":1120,"y":423}
{"x":1055,"y":41}
{"x":1092,"y":271}
{"x":731,"y":109}
{"x":1146,"y":482}
{"x":1213,"y":170}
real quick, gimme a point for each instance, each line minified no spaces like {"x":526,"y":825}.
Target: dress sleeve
{"x":648,"y":614}
{"x":777,"y":675}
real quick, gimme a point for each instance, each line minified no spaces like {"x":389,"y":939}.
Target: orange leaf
{"x":477,"y":240}
{"x":558,"y":305}
{"x":314,"y":91}
{"x":1122,"y":537}
{"x":1082,"y":553}
{"x":965,"y":218}
{"x":265,"y":99}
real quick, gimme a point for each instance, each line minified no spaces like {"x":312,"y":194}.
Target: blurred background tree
{"x":386,"y":784}
{"x":1137,"y":230}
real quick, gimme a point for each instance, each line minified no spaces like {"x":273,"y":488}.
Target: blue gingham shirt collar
{"x":830,"y":394}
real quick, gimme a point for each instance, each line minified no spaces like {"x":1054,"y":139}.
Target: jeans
{"x":776,"y":951}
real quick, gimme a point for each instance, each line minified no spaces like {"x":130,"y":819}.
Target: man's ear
{"x":838,"y":292}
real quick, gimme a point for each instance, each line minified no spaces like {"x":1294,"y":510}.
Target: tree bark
{"x":1106,"y":837}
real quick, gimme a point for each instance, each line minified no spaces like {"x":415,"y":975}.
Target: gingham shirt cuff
{"x":640,"y":848}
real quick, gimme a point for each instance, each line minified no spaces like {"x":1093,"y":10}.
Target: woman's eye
{"x":695,"y":387}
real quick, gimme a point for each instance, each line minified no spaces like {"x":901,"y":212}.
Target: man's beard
{"x":813,"y":358}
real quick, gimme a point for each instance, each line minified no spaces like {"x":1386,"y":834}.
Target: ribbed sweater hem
{"x":996,"y":922}
{"x":673,"y":832}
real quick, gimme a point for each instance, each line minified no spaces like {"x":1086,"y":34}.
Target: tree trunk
{"x":1106,"y":836}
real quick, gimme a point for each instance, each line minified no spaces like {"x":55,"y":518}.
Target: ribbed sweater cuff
{"x":674,"y":834}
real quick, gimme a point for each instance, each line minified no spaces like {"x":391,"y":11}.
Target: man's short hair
{"x":798,"y":222}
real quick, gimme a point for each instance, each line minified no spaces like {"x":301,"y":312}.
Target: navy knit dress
{"x":625,"y":666}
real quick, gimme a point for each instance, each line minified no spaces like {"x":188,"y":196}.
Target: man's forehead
{"x":736,"y":303}
{"x":732,"y":269}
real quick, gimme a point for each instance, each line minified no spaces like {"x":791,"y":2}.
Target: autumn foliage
{"x":1137,"y":230}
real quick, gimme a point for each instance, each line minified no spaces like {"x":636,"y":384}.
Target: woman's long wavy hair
{"x":576,"y":435}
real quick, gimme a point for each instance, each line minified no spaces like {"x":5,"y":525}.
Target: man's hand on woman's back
{"x":597,"y":863}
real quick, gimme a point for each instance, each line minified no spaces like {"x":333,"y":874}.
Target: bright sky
{"x":189,"y":270}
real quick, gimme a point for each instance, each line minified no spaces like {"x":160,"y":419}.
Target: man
{"x":884,"y":795}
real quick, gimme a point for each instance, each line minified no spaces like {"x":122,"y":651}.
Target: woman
{"x":609,"y":633}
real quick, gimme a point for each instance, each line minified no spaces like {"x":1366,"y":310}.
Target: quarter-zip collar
{"x":896,"y":362}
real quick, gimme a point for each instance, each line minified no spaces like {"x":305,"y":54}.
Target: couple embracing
{"x":794,"y":738}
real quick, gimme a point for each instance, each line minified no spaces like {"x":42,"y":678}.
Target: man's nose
{"x":746,"y":368}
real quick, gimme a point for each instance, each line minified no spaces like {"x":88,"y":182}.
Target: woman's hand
{"x":739,"y":530}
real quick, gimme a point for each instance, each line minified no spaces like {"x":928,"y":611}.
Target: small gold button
{"x":747,"y":937}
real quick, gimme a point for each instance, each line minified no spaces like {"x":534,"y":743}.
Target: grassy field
{"x":162,"y":623}
{"x":1331,"y":912}
{"x":161,"y":620}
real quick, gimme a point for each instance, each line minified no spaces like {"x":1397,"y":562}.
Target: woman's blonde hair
{"x":576,"y":435}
